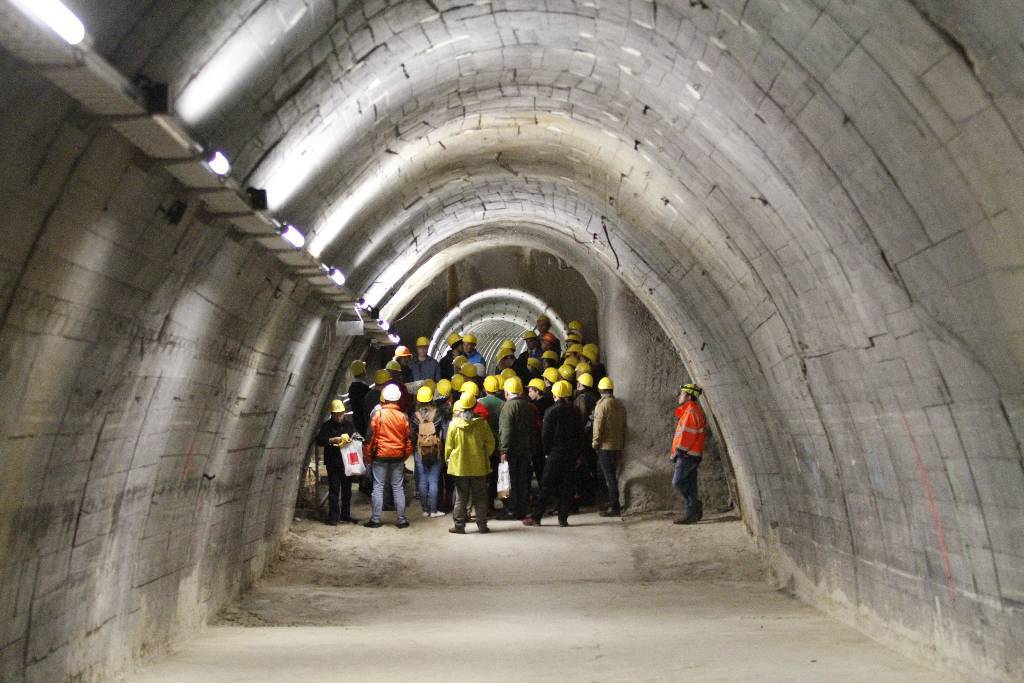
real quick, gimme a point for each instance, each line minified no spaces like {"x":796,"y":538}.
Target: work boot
{"x":483,"y":529}
{"x":331,"y":522}
{"x":687,"y":519}
{"x":373,"y":525}
{"x":350,"y":520}
{"x":457,"y":530}
{"x":563,"y":522}
{"x":404,"y":524}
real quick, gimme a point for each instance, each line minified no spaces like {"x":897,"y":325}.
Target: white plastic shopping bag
{"x":504,"y":481}
{"x":352,"y":456}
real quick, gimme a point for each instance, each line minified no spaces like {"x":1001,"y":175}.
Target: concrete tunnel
{"x":813,"y":208}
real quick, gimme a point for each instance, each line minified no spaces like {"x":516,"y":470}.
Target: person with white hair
{"x":389,"y":444}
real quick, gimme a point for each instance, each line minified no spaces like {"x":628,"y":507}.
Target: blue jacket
{"x":425,"y":369}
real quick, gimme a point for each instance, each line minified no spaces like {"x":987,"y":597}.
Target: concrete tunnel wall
{"x":817,"y":201}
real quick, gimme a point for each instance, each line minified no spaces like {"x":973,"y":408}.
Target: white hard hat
{"x":391,"y":393}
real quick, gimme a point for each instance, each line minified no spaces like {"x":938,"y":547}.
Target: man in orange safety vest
{"x":687,"y":449}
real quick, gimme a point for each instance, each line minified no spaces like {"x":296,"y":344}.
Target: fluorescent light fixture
{"x":336,"y":276}
{"x":218,"y":163}
{"x":291,"y":235}
{"x":384,"y":325}
{"x":394,"y":337}
{"x":57,"y":16}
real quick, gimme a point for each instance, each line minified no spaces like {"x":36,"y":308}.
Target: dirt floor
{"x":638,"y":599}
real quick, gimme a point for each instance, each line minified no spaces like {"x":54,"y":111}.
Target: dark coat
{"x":561,"y":432}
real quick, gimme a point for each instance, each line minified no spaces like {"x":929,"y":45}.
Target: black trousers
{"x":492,"y":479}
{"x":520,"y":471}
{"x":557,"y":482}
{"x":587,"y":481}
{"x":338,"y":483}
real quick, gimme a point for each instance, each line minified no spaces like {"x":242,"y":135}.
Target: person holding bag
{"x":427,"y":426}
{"x":333,"y":435}
{"x":467,"y":450}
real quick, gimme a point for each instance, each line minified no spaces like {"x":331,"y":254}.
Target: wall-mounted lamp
{"x":218,"y":163}
{"x":290,"y":234}
{"x":336,"y":276}
{"x":384,"y":325}
{"x":57,"y":16}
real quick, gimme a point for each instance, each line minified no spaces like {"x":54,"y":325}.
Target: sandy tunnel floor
{"x":606,"y":599}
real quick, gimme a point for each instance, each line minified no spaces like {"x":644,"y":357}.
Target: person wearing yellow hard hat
{"x":427,"y":433}
{"x":541,"y":400}
{"x":687,"y":451}
{"x":567,"y":373}
{"x":533,"y":368}
{"x":467,"y":450}
{"x":573,"y":338}
{"x":454,"y":341}
{"x":357,"y":391}
{"x":592,"y":354}
{"x":550,"y":376}
{"x":517,"y":428}
{"x":398,"y":379}
{"x":494,"y":402}
{"x":403,"y":356}
{"x":423,"y":366}
{"x":587,"y":481}
{"x":532,"y":350}
{"x":561,"y":433}
{"x":543,"y":324}
{"x":334,"y":434}
{"x":608,"y":440}
{"x":575,"y":326}
{"x":457,"y":383}
{"x":572,"y":352}
{"x":469,"y":350}
{"x":571,"y":362}
{"x":549,"y":359}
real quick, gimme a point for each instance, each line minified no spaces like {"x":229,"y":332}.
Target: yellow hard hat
{"x":508,"y":373}
{"x":692,"y":390}
{"x":393,"y":366}
{"x":469,"y":338}
{"x":430,"y":383}
{"x":381,"y":376}
{"x":491,"y":384}
{"x":582,"y":366}
{"x":575,"y":325}
{"x":468,"y":370}
{"x":459,"y":361}
{"x":514,"y":385}
{"x":403,"y":352}
{"x":453,"y":338}
{"x":506,"y":352}
{"x":574,"y":337}
{"x":358,"y":368}
{"x":537,"y":384}
{"x":470,"y":388}
{"x":550,"y":355}
{"x":606,"y":384}
{"x":424,"y":395}
{"x":586,"y":379}
{"x":574,"y":348}
{"x":422,"y":341}
{"x":566,"y":372}
{"x":457,"y":382}
{"x":466,"y":402}
{"x":593,"y":347}
{"x":530,"y":334}
{"x":571,"y":362}
{"x":590,"y":352}
{"x":543,"y":319}
{"x":444,"y":388}
{"x":562,"y":389}
{"x":533,"y":363}
{"x":507,"y":344}
{"x":551,"y":375}
{"x":337,"y":406}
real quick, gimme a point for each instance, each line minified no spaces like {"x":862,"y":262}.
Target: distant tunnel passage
{"x":812,"y":209}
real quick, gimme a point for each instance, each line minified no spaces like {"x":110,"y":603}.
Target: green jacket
{"x":468,"y":447}
{"x":517,"y":428}
{"x":494,"y":405}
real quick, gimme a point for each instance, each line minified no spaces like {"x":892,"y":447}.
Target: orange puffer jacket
{"x":389,"y":434}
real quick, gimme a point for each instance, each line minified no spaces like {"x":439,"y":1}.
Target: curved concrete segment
{"x":811,"y":208}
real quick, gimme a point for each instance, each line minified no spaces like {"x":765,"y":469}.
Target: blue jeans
{"x":685,"y":481}
{"x":392,"y":472}
{"x":428,"y":479}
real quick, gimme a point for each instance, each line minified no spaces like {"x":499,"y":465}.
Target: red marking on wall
{"x":933,"y":506}
{"x":186,"y":469}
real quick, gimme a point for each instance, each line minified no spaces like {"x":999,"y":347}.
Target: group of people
{"x":547,"y":414}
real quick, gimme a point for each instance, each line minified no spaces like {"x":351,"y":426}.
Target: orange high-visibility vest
{"x":690,"y":429}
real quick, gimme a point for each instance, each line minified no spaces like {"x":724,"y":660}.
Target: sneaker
{"x":426,"y":514}
{"x":483,"y":530}
{"x":403,"y":524}
{"x":530,"y":521}
{"x":373,"y":525}
{"x":438,"y":513}
{"x":457,"y":530}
